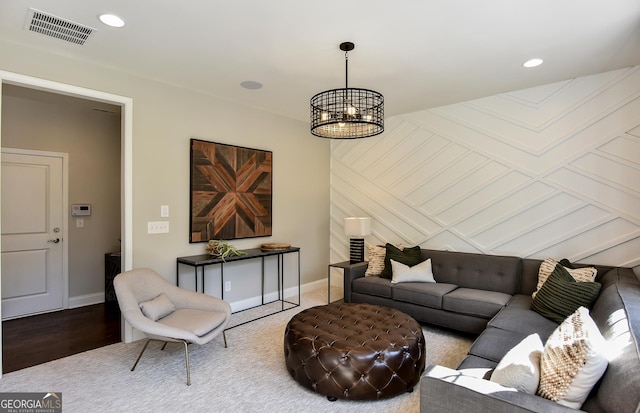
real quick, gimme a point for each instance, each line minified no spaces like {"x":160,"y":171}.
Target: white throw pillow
{"x":573,"y":360}
{"x":520,"y":367}
{"x":158,"y":308}
{"x":402,"y":273}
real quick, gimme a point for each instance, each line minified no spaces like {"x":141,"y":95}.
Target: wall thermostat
{"x":80,"y":210}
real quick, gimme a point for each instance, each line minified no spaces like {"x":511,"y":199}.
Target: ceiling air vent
{"x":57,"y":27}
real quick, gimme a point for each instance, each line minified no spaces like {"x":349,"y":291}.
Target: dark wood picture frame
{"x":231,"y":192}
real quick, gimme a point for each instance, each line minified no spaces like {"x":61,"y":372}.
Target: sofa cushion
{"x":617,"y":314}
{"x":561,"y":295}
{"x":408,"y":256}
{"x":476,"y":271}
{"x":520,"y":367}
{"x":418,"y":273}
{"x":518,"y":317}
{"x":377,"y":286}
{"x":481,"y":303}
{"x":477,"y":367}
{"x":424,"y":294}
{"x":493,"y":343}
{"x":573,"y":360}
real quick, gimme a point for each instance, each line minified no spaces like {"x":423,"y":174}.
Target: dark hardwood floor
{"x":33,"y":340}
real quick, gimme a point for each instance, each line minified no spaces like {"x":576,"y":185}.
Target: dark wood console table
{"x":203,"y":260}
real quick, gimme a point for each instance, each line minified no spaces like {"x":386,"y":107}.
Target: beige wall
{"x":164,"y":119}
{"x":47,"y":122}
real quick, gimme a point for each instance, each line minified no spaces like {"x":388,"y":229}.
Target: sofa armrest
{"x":446,"y":390}
{"x":351,"y":273}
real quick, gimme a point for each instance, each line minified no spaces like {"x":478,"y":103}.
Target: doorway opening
{"x":124,"y":107}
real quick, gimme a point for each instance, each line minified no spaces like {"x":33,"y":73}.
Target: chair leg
{"x":224,"y":335}
{"x":186,"y":357}
{"x":140,"y":355}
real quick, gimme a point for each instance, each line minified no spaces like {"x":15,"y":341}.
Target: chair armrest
{"x":446,"y":390}
{"x":351,"y":273}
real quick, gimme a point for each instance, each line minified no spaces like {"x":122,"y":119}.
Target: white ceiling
{"x":417,"y":53}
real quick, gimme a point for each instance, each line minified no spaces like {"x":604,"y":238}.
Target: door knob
{"x":55,"y":241}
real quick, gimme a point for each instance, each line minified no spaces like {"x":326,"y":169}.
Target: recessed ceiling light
{"x":251,"y":84}
{"x":111,"y":20}
{"x":533,"y":63}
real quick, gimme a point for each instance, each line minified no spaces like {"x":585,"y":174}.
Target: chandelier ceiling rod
{"x":346,"y":47}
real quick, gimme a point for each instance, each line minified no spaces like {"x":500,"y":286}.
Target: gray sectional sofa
{"x":491,"y":296}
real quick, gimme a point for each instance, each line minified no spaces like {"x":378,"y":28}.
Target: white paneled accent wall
{"x":552,"y":171}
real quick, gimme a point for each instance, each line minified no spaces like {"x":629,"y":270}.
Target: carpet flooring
{"x":248,"y":376}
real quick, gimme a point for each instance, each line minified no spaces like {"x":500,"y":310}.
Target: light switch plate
{"x":157,"y":227}
{"x":164,"y":211}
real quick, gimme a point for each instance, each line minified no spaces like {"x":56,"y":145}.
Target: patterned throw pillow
{"x":561,"y":295}
{"x":375,"y":254}
{"x":573,"y":360}
{"x":407,"y":256}
{"x":579,"y":274}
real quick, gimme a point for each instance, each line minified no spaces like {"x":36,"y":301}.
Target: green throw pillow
{"x":566,"y":263}
{"x":561,"y":295}
{"x":408,"y":256}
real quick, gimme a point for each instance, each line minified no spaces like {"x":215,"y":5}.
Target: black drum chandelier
{"x":347,"y":113}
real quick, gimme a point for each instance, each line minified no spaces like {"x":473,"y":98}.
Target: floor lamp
{"x":357,"y":228}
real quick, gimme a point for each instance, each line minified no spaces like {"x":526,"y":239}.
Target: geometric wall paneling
{"x":547,"y":171}
{"x":625,"y":148}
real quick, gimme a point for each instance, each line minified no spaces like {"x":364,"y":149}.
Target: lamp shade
{"x":357,"y":226}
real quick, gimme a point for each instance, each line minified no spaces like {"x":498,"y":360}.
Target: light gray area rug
{"x":248,"y":376}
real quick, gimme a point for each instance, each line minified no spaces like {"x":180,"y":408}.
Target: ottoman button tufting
{"x":342,"y":362}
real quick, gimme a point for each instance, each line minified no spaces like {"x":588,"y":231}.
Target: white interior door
{"x":32,"y":233}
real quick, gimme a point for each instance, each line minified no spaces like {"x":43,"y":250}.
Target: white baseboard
{"x":313,"y":285}
{"x":87,"y":299}
{"x":272,"y":296}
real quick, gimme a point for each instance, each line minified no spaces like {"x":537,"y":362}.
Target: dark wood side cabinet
{"x":111,"y":269}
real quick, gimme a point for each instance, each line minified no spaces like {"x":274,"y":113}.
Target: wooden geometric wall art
{"x":231,"y":192}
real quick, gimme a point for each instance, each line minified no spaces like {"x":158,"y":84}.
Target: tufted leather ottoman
{"x":354,"y":351}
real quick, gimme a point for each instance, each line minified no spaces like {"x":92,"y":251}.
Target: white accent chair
{"x":165,"y":312}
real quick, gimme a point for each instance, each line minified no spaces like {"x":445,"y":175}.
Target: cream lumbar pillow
{"x":402,"y":273}
{"x":520,"y":367}
{"x":585,"y":274}
{"x":375,"y":256}
{"x":158,"y":308}
{"x":573,"y":360}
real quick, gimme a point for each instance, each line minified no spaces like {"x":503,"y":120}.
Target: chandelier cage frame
{"x":347,"y":113}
